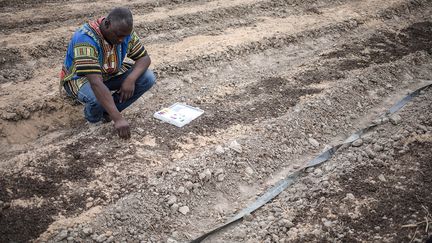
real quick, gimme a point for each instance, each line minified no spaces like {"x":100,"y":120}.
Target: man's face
{"x":116,"y":32}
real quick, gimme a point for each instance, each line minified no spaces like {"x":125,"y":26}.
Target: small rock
{"x":219,"y":150}
{"x":140,"y":130}
{"x":132,"y":231}
{"x":205,"y":175}
{"x":219,"y":171}
{"x":396,"y":137}
{"x":248,"y":217}
{"x":318,"y":172}
{"x":382,"y":178}
{"x":377,"y":148}
{"x":62,"y":235}
{"x":110,"y":239}
{"x":25,"y":114}
{"x":201,"y":176}
{"x":322,"y":199}
{"x":176,"y":235}
{"x":368,"y":139}
{"x":327,"y":223}
{"x":377,"y":121}
{"x":350,"y":196}
{"x":174,"y":207}
{"x":188,"y":185}
{"x":171,"y":240}
{"x":11,"y":116}
{"x":313,"y":142}
{"x":87,"y":231}
{"x":422,"y":128}
{"x":292,"y":233}
{"x":370,"y":153}
{"x":177,"y":155}
{"x":94,"y":236}
{"x":187,"y":80}
{"x":310,"y":170}
{"x":101,"y":238}
{"x":171,"y":200}
{"x":220,"y":177}
{"x":234,"y":145}
{"x":249,"y":170}
{"x":395,"y":119}
{"x":181,"y":189}
{"x":287,"y":223}
{"x":184,"y":210}
{"x":89,"y":204}
{"x":357,"y":143}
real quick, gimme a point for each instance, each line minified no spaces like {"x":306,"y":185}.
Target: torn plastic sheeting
{"x":262,"y":200}
{"x":323,"y":157}
{"x":406,"y":99}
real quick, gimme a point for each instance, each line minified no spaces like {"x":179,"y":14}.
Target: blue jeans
{"x":93,"y":110}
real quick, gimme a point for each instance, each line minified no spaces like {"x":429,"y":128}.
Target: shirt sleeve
{"x":86,"y":59}
{"x":136,"y":49}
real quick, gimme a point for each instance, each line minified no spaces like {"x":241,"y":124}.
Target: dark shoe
{"x":106,"y":118}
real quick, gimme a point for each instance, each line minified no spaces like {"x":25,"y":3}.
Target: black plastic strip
{"x":323,"y":157}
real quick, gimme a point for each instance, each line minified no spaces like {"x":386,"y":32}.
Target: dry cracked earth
{"x":279,"y":81}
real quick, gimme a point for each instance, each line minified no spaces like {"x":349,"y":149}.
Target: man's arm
{"x":128,"y":86}
{"x":103,"y":95}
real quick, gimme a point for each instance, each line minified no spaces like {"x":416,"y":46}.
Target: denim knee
{"x":146,"y":80}
{"x":93,"y":111}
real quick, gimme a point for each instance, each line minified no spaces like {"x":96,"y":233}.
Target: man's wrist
{"x":130,"y":79}
{"x":116,"y":116}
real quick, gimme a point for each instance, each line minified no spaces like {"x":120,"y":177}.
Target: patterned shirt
{"x":89,"y":53}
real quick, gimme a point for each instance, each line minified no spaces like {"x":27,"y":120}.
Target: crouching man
{"x":95,"y":71}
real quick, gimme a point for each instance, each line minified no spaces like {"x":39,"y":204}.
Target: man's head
{"x":117,"y":25}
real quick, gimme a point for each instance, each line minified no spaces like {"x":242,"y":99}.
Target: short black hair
{"x":121,"y":15}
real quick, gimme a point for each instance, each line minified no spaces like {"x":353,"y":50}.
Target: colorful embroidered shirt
{"x":89,"y":53}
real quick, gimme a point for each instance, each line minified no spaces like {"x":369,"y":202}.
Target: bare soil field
{"x":279,"y":81}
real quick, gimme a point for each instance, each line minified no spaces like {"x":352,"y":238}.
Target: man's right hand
{"x":103,"y":95}
{"x":123,"y":129}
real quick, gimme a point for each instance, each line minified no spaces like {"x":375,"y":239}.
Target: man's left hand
{"x":127,"y":90}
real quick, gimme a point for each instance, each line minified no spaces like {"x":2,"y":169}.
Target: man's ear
{"x":107,"y":23}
